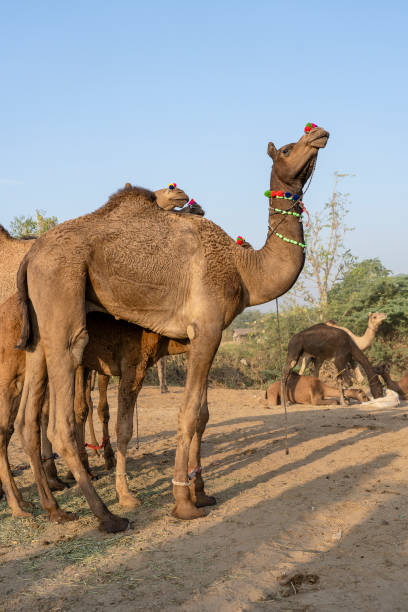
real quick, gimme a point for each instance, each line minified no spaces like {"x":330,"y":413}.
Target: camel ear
{"x":369,"y":314}
{"x":272,"y":152}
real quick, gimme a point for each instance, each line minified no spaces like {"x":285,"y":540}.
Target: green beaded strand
{"x":301,"y":244}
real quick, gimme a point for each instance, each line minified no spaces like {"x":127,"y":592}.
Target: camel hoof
{"x":60,"y":516}
{"x":20,"y":513}
{"x":164,"y":390}
{"x":56,"y":484}
{"x":114,"y":524}
{"x":187,"y":512}
{"x":128,"y":501}
{"x":205,"y":500}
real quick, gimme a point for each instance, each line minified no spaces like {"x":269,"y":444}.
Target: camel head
{"x":375,"y":319}
{"x":171,"y":197}
{"x":294,"y":163}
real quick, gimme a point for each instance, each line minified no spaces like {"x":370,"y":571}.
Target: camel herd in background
{"x":118,"y":289}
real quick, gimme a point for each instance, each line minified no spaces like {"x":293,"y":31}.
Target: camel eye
{"x":286,"y":151}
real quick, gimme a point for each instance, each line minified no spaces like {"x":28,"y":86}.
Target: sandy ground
{"x":324,"y":528}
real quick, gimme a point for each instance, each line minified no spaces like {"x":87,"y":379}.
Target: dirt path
{"x":332,"y":516}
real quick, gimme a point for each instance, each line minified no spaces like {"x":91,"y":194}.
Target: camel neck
{"x":365,"y":341}
{"x":272,"y":270}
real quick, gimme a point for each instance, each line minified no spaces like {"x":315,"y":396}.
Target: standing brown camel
{"x":309,"y":390}
{"x":363,"y":342}
{"x":323,"y":342}
{"x":175,"y":274}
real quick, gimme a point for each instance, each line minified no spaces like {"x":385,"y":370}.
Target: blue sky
{"x":99,"y":93}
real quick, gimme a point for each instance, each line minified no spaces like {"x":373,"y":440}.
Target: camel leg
{"x":7,"y":415}
{"x":103,"y":412}
{"x":81,"y":413}
{"x":129,"y":387}
{"x":202,"y":351}
{"x":28,"y":427}
{"x":90,"y":385}
{"x":61,"y":429}
{"x":161,"y":371}
{"x":197,"y":493}
{"x":46,"y":450}
{"x":303,"y":364}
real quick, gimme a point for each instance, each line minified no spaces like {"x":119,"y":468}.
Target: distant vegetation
{"x":21,"y":227}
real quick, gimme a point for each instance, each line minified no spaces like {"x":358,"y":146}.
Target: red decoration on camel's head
{"x":309,"y":126}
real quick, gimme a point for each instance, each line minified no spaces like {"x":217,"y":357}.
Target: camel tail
{"x":22,"y":289}
{"x":373,"y":380}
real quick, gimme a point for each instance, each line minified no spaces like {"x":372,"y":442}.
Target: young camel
{"x":323,"y":342}
{"x":309,"y":390}
{"x":175,"y":274}
{"x":401,"y":387}
{"x":363,"y":342}
{"x":115,"y":348}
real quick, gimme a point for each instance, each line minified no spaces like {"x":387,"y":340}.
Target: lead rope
{"x":137,"y":427}
{"x":283,"y":394}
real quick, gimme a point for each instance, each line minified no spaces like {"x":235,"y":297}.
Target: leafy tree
{"x":32,"y":226}
{"x":327,"y":258}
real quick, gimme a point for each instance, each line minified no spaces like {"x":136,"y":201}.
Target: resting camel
{"x":401,"y":387}
{"x":309,"y":390}
{"x":363,"y":342}
{"x":323,"y":342}
{"x":176,"y":274}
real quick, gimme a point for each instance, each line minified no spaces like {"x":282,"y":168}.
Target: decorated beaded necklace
{"x":294,"y":198}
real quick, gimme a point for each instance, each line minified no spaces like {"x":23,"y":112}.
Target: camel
{"x":175,"y":274}
{"x":363,"y":342}
{"x":309,"y":390}
{"x":324,"y":342}
{"x":115,"y":348}
{"x":401,"y":387}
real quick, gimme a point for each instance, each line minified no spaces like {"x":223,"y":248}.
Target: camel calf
{"x":310,"y":390}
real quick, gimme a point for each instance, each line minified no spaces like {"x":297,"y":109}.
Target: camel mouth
{"x":179,"y":202}
{"x":318,"y":138}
